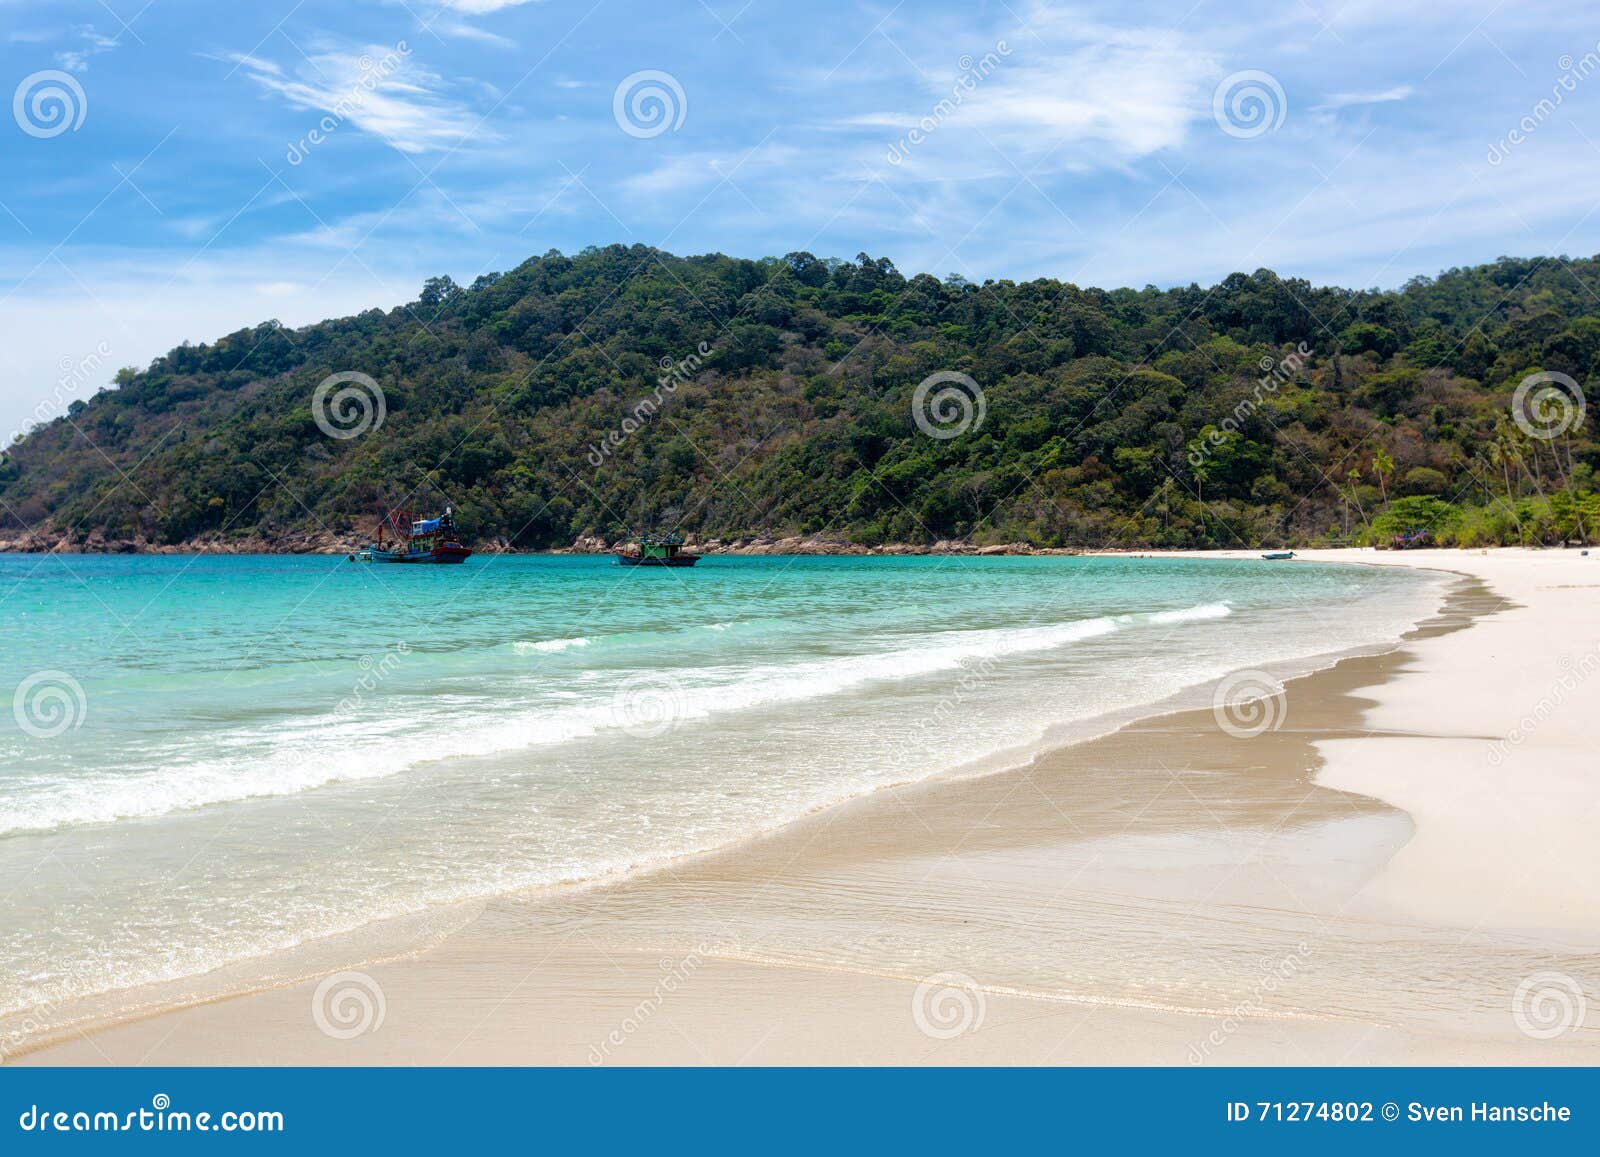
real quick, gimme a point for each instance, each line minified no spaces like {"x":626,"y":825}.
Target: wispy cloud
{"x":461,"y":30}
{"x":89,"y":43}
{"x":686,"y":171}
{"x":1058,"y":90}
{"x":481,"y":7}
{"x":1341,"y":100}
{"x":381,"y":91}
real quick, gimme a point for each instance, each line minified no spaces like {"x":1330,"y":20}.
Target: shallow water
{"x":215,"y":758}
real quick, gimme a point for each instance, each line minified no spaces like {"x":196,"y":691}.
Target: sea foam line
{"x":549,"y":646}
{"x":329,"y":750}
{"x":1193,"y":614}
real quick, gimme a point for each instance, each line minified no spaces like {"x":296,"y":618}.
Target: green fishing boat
{"x":656,"y":550}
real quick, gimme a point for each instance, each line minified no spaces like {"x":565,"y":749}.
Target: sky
{"x":173,"y":170}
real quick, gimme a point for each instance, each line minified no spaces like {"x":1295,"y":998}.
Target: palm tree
{"x":1383,"y":464}
{"x":1500,"y":456}
{"x":1201,"y":473}
{"x":1354,"y":478}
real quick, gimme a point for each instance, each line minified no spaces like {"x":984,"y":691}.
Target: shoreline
{"x":331,"y":545}
{"x":327,"y":544}
{"x":800,"y":546}
{"x":1369,"y":832}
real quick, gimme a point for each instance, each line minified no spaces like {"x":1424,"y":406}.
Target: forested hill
{"x":626,"y":388}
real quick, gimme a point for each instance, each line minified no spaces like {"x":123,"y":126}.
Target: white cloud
{"x":482,"y":7}
{"x":381,"y":91}
{"x":687,"y":171}
{"x":1060,"y":91}
{"x":253,"y":63}
{"x":1341,"y":100}
{"x":89,"y":43}
{"x":461,"y":30}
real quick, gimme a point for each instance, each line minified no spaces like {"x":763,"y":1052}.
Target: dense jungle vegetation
{"x":625,"y":388}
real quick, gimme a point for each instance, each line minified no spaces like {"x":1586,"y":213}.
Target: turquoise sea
{"x":213,"y":759}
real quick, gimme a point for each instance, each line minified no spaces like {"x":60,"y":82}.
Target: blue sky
{"x":221,"y":164}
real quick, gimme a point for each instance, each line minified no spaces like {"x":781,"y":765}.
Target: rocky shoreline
{"x":326,"y":542}
{"x":316,"y":542}
{"x":804,"y":544}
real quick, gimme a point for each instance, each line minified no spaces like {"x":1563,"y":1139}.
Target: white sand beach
{"x":1505,"y":788}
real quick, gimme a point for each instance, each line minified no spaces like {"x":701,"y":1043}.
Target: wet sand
{"x":1173,"y":893}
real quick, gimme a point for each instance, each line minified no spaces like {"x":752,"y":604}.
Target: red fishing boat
{"x":428,"y":540}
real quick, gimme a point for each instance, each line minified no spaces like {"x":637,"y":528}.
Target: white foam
{"x":1193,"y":614}
{"x":331,"y":749}
{"x":549,"y":646}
